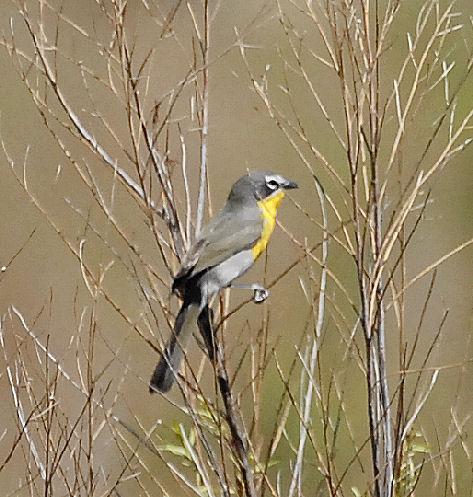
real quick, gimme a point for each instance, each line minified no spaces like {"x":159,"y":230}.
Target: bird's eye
{"x":272,"y":184}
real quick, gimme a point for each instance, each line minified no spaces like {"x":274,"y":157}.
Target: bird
{"x":223,"y":251}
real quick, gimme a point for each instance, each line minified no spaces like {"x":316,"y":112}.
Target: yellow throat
{"x":269,"y":208}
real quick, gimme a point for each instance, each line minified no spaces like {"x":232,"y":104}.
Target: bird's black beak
{"x":289,"y":185}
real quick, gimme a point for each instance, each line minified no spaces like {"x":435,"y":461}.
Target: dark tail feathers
{"x":168,"y":366}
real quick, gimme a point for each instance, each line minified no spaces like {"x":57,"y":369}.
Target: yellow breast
{"x":269,"y":208}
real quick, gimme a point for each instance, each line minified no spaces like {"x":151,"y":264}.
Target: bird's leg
{"x":260,"y":293}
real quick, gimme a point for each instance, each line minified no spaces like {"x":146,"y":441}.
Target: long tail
{"x":168,"y":366}
{"x":206,"y":328}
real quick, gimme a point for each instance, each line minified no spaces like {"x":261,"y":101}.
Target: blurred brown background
{"x":44,"y":282}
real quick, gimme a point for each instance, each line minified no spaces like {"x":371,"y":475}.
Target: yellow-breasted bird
{"x":224,"y":250}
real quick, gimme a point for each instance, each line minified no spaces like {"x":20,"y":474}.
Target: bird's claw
{"x":260,"y":295}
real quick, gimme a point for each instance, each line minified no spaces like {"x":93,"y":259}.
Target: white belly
{"x":221,"y":276}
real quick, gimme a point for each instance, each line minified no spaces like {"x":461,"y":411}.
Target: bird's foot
{"x":260,"y":294}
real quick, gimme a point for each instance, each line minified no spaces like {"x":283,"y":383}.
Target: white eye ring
{"x":272,"y":184}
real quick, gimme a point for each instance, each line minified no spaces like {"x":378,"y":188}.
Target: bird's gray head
{"x":258,"y":185}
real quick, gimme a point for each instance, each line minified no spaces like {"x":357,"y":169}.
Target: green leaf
{"x":356,"y":492}
{"x":420,"y":447}
{"x":177,"y":450}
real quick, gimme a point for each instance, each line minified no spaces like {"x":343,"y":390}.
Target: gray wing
{"x":226,"y":235}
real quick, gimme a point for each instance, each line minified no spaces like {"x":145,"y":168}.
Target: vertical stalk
{"x":205,"y":123}
{"x":384,"y":425}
